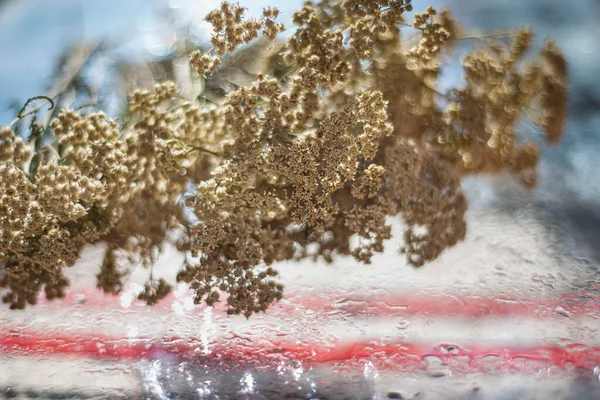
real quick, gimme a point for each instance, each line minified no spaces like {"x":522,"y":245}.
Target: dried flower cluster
{"x":231,"y":30}
{"x":434,"y":36}
{"x":343,"y":129}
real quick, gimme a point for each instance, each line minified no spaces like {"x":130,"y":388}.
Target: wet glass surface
{"x":513,"y":312}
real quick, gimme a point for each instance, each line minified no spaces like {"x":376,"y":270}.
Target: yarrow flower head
{"x":342,"y":129}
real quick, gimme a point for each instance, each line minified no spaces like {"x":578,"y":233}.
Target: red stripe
{"x":395,"y":355}
{"x":585,"y":304}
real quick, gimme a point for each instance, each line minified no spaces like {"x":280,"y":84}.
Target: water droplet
{"x":394,"y":395}
{"x":436,"y":368}
{"x":80,"y":299}
{"x":596,"y":372}
{"x":562,"y":311}
{"x":403,"y":324}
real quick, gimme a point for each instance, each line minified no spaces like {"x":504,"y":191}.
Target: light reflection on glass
{"x":247,"y":383}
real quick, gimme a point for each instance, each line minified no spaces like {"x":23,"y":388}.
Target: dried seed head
{"x":345,"y":132}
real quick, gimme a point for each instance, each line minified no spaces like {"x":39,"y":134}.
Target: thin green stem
{"x":22,"y":114}
{"x":81,"y":107}
{"x":499,"y":35}
{"x":202,"y":150}
{"x":484,"y":38}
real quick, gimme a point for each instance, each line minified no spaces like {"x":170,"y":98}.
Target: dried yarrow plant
{"x":344,"y":128}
